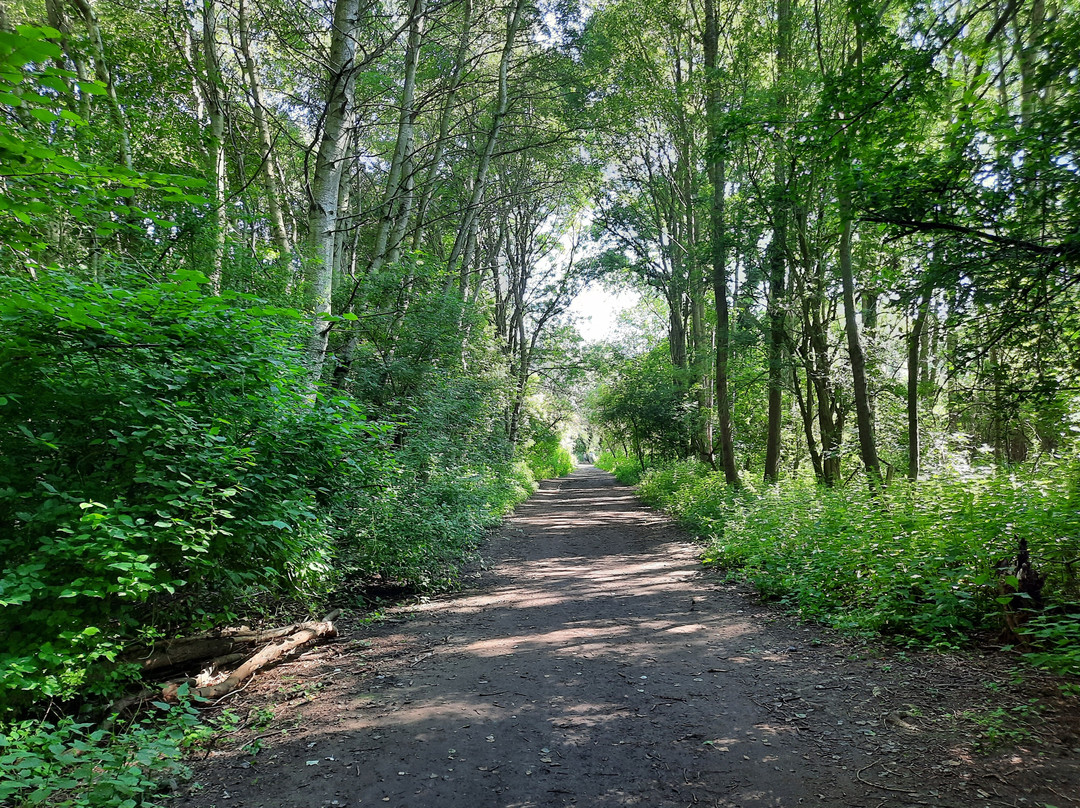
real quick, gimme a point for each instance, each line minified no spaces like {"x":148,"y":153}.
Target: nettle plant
{"x":926,"y":563}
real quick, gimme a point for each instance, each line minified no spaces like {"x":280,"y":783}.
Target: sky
{"x":598,"y":309}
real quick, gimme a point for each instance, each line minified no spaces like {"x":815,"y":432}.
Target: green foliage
{"x":1057,"y":641}
{"x":454,"y":477}
{"x":920,"y":564}
{"x":43,"y":183}
{"x":1003,"y":726}
{"x":176,"y":460}
{"x":545,"y":455}
{"x":664,"y":485}
{"x":627,"y":470}
{"x":182,"y":459}
{"x":641,"y":405}
{"x":548,"y":459}
{"x":68,"y":764}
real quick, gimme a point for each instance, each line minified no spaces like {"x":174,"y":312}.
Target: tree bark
{"x":716,"y":167}
{"x":269,"y":655}
{"x":55,"y":12}
{"x":514,"y":17}
{"x":914,"y":345}
{"x":863,"y":411}
{"x":323,"y":189}
{"x":397,"y":195}
{"x":778,"y":248}
{"x":105,"y":76}
{"x":454,"y":84}
{"x":213,"y":92}
{"x":279,"y":232}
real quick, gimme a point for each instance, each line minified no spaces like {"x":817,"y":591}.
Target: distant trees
{"x":887,"y":192}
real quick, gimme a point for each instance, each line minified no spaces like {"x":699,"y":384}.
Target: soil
{"x":594,"y":662}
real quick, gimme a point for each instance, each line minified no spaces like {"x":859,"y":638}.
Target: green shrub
{"x":159,"y":454}
{"x":548,"y":459}
{"x":1057,"y":640}
{"x":662,"y":486}
{"x":67,"y":764}
{"x":919,"y":564}
{"x":454,"y":477}
{"x":627,"y":470}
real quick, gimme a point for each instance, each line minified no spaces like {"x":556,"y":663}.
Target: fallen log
{"x":224,"y":661}
{"x":171,"y":653}
{"x":269,"y":655}
{"x":185,"y":649}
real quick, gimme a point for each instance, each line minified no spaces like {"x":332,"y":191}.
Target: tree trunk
{"x":213,"y":89}
{"x":397,"y":196}
{"x":105,"y":76}
{"x":716,"y":167}
{"x":269,"y":655}
{"x":914,"y":343}
{"x":269,"y":169}
{"x":428,"y":187}
{"x":863,"y":412}
{"x":55,"y":12}
{"x":323,"y":189}
{"x":868,"y":300}
{"x":514,"y":18}
{"x":805,"y":403}
{"x":778,"y":249}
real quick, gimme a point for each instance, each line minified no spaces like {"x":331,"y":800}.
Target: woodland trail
{"x":595,"y":663}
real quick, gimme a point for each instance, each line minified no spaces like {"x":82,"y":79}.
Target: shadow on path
{"x":598,"y":665}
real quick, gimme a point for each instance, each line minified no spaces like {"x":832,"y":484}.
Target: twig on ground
{"x":859,"y":777}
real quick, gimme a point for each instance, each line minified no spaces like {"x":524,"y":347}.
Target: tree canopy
{"x":285,"y":288}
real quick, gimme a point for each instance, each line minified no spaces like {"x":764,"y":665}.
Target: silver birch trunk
{"x":105,"y":76}
{"x":215,"y":137}
{"x":428,"y":185}
{"x":323,"y":189}
{"x":396,"y":192}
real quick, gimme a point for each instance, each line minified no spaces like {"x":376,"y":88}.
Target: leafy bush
{"x":921,"y":564}
{"x":642,"y":406}
{"x":663,"y":485}
{"x":548,"y":458}
{"x":627,"y":470}
{"x":157,"y":446}
{"x":67,"y":764}
{"x":454,"y":477}
{"x":1057,"y":637}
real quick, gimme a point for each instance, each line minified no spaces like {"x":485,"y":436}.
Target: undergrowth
{"x":627,"y":470}
{"x":66,"y":763}
{"x":920,"y":564}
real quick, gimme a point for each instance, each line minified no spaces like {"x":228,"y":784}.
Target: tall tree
{"x":324,"y":187}
{"x":268,"y":165}
{"x":716,"y":159}
{"x":778,"y":249}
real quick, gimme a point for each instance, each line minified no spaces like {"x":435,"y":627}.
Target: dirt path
{"x":596,"y":664}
